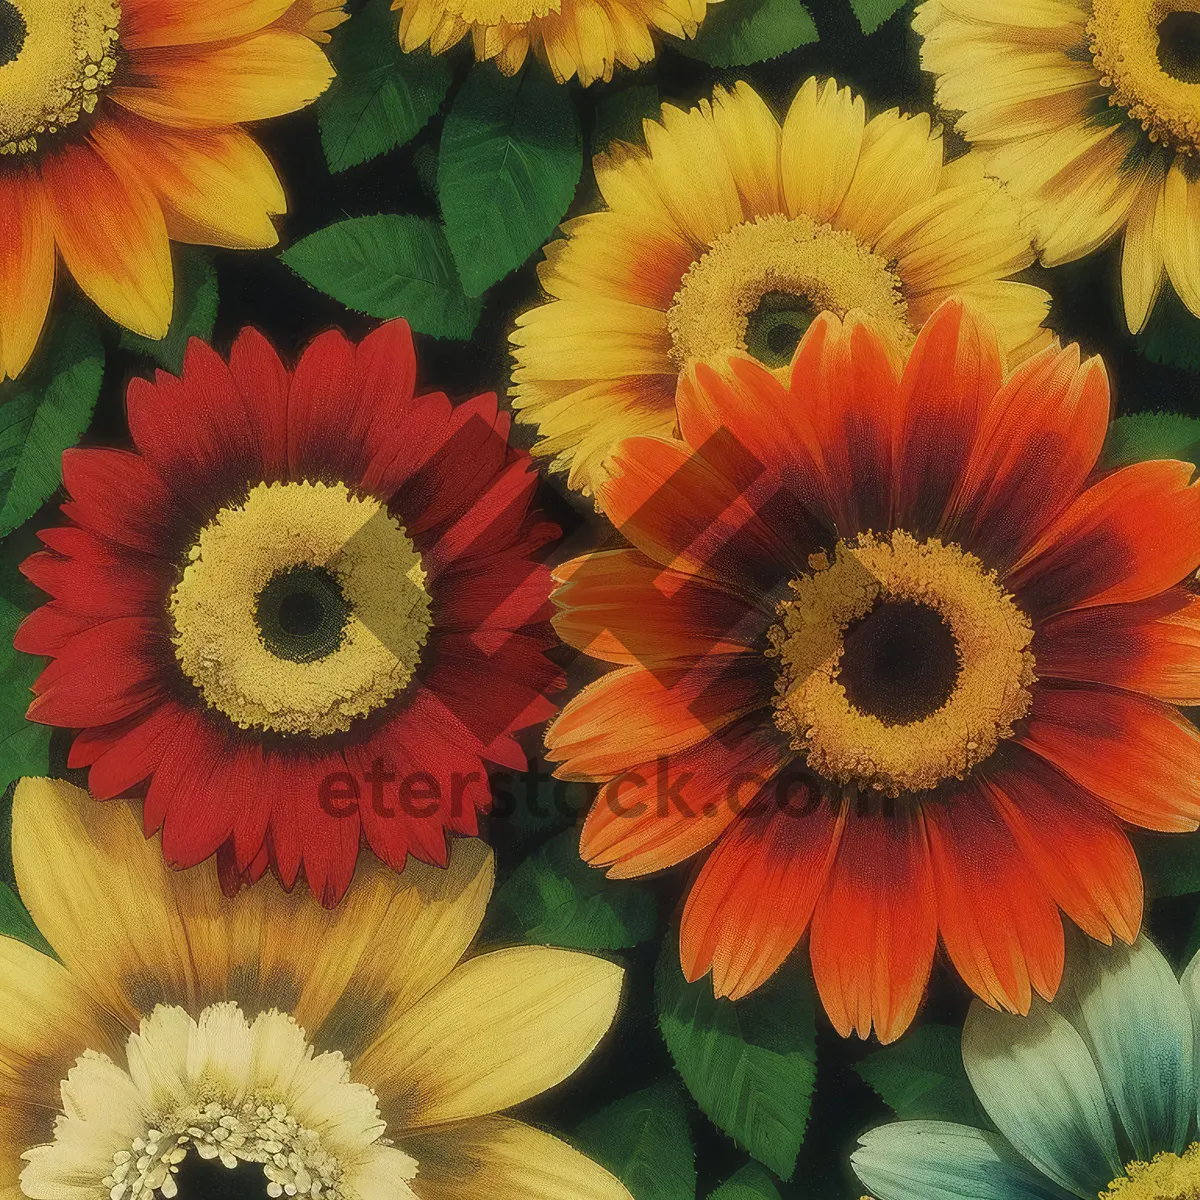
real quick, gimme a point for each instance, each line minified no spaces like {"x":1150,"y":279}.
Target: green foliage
{"x":15,"y":921}
{"x":750,"y":1183}
{"x":195,"y":313}
{"x":644,"y":1141}
{"x":386,"y":266}
{"x":750,"y":1066}
{"x":510,"y":161}
{"x":922,"y":1077}
{"x":1143,"y":436}
{"x":554,"y":898}
{"x":382,"y":97}
{"x":1172,"y":335}
{"x":871,"y":14}
{"x":736,"y":33}
{"x":1170,"y":863}
{"x":43,"y":413}
{"x":24,"y":744}
{"x":619,"y":115}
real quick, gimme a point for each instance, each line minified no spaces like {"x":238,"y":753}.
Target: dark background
{"x":256,"y":289}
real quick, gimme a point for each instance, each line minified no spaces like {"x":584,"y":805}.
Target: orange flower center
{"x":1148,"y":54}
{"x":902,"y":663}
{"x":57,"y":56}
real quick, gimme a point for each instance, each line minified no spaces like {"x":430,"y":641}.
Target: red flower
{"x":302,"y":615}
{"x":899,"y":656}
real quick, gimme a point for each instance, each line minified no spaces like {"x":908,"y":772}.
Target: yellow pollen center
{"x":65,"y":55}
{"x":840,"y":723}
{"x":767,"y":279}
{"x":1165,"y":1177}
{"x":1141,"y":49}
{"x":301,"y":609}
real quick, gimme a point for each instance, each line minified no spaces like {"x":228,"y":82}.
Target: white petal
{"x":219,"y":1049}
{"x":1037,"y":1081}
{"x":158,"y":1057}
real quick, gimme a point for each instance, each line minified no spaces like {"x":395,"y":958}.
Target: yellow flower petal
{"x":822,"y":138}
{"x":1142,"y":261}
{"x":266,"y":75}
{"x":496,"y":1158}
{"x":1180,"y":240}
{"x":499,"y":1030}
{"x":171,"y":937}
{"x":900,"y":166}
{"x":26,"y":268}
{"x":151,"y":23}
{"x":605,"y":339}
{"x":750,"y":138}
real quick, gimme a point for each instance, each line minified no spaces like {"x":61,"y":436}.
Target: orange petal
{"x":675,"y":708}
{"x":216,"y":187}
{"x":659,"y":813}
{"x":952,"y":376}
{"x":1130,"y":536}
{"x":151,"y":23}
{"x":1152,"y":646}
{"x":1076,"y":846}
{"x":1039,"y":441}
{"x":112,"y":236}
{"x":1139,"y":756}
{"x":266,"y":75}
{"x":619,"y":606}
{"x":754,"y":898}
{"x":875,"y":928}
{"x":999,"y":924}
{"x":26,"y":267}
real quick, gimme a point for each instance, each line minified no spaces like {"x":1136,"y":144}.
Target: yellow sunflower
{"x":1090,"y":111}
{"x":120,"y":130}
{"x":730,"y":233}
{"x":573,"y":37}
{"x":183,"y":1043}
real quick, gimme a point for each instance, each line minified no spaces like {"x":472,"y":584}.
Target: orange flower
{"x":899,"y":656}
{"x":119,"y":130}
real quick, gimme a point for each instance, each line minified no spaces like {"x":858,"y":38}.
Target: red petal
{"x":135,"y":756}
{"x":1039,"y":441}
{"x":263,"y":382}
{"x":952,"y":376}
{"x":1152,"y":646}
{"x":1078,"y":849}
{"x":755,"y":895}
{"x":325,"y":418}
{"x":1139,"y":756}
{"x":875,"y":927}
{"x":1130,"y":536}
{"x":119,"y":495}
{"x":1000,"y":926}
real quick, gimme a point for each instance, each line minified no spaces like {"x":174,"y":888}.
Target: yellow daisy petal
{"x":1142,"y":258}
{"x":501,"y":1029}
{"x":822,"y":139}
{"x":1180,"y":238}
{"x":504,"y":1159}
{"x":750,"y":139}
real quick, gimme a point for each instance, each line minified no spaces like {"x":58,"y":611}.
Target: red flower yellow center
{"x":57,"y":56}
{"x":902,"y":663}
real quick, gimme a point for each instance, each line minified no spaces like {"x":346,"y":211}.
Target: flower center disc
{"x":301,"y":609}
{"x":759,"y":287}
{"x":903,"y":663}
{"x":1148,"y":54}
{"x":56,"y":58}
{"x":1165,"y":1177}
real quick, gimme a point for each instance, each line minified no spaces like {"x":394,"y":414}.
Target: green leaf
{"x":510,"y":162}
{"x":195,"y":314}
{"x":736,"y":33}
{"x":1172,"y":335}
{"x":922,"y":1077}
{"x":1142,"y":436}
{"x":750,"y":1183}
{"x":554,"y":898}
{"x":43,"y":413}
{"x":389,"y":266}
{"x":872,"y":13}
{"x":24,"y":744}
{"x":644,"y":1141}
{"x":15,"y":921}
{"x":619,"y":115}
{"x":750,"y":1065}
{"x":382,"y":97}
